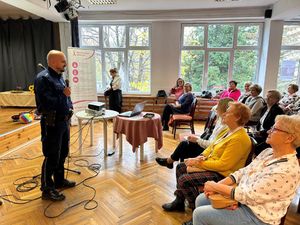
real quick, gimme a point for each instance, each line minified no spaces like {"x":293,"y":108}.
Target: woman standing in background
{"x":115,"y":96}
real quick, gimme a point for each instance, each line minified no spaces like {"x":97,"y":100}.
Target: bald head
{"x":57,"y":61}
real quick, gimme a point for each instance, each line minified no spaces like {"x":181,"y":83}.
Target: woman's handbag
{"x":108,"y":92}
{"x":194,"y":169}
{"x":218,"y":201}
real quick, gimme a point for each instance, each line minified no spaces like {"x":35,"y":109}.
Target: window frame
{"x":231,"y":50}
{"x":288,"y":48}
{"x":125,"y":50}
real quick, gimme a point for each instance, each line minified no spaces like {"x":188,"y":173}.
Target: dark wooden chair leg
{"x":192,"y":127}
{"x":174,"y":127}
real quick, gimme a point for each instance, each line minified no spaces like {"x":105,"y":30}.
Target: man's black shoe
{"x":66,"y":184}
{"x":52,"y":195}
{"x":164,"y":162}
{"x":176,"y":205}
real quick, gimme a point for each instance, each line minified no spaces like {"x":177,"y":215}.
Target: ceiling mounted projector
{"x":71,"y":13}
{"x":62,"y":6}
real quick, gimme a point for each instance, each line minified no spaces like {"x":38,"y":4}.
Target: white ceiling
{"x":174,"y":4}
{"x":282,"y":9}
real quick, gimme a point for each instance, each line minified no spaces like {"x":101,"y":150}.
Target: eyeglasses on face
{"x":273,"y":128}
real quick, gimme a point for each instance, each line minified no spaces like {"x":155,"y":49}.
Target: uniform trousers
{"x":55,"y":145}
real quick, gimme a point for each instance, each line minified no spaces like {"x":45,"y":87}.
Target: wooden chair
{"x":185,"y":119}
{"x":282,"y":220}
{"x":209,"y":125}
{"x":251,"y":155}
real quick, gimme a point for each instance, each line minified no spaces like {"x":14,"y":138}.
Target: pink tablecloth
{"x":137,"y":129}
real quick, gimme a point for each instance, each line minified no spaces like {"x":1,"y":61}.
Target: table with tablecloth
{"x":137,"y":129}
{"x":19,"y":99}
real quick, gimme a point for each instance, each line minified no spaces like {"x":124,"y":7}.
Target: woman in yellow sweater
{"x":225,"y":155}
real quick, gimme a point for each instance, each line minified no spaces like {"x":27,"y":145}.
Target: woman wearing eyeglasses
{"x":226,"y":154}
{"x":265,"y":188}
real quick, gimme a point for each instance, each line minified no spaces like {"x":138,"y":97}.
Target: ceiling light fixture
{"x":227,"y":0}
{"x":103,"y":2}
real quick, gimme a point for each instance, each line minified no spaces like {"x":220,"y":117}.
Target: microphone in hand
{"x":41,"y":66}
{"x":67,"y":82}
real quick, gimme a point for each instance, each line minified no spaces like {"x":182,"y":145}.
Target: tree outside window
{"x":192,"y":67}
{"x":125,"y":47}
{"x":289,"y":65}
{"x":213,"y":54}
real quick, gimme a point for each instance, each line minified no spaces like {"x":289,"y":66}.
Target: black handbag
{"x":206,"y":94}
{"x":161,"y":93}
{"x":108,"y":92}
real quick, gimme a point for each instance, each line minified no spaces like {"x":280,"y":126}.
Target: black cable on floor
{"x":95,"y":167}
{"x":27,"y":185}
{"x":33,"y":182}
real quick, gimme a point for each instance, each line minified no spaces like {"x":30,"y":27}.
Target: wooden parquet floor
{"x":7,"y":124}
{"x":128,"y":191}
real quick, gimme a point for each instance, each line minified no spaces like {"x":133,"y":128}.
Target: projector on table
{"x":98,"y":106}
{"x":95,"y":109}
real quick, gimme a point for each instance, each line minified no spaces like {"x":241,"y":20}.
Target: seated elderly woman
{"x":267,"y":120}
{"x":265,"y":188}
{"x":194,"y":145}
{"x":256,"y":103}
{"x":181,"y":106}
{"x":178,"y":89}
{"x":247,"y":92}
{"x":289,"y":99}
{"x":294,"y":108}
{"x":231,"y":92}
{"x":225,"y":155}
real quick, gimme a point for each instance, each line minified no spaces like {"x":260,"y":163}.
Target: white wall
{"x":269,"y":63}
{"x":165,"y":55}
{"x":65,"y":39}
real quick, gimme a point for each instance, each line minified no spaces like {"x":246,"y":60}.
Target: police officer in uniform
{"x":54,"y":103}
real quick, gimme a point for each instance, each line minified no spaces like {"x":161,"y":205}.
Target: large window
{"x":126,"y":47}
{"x":214,"y":54}
{"x":289,"y":66}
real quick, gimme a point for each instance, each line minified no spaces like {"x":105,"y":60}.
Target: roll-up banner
{"x":82,"y":78}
